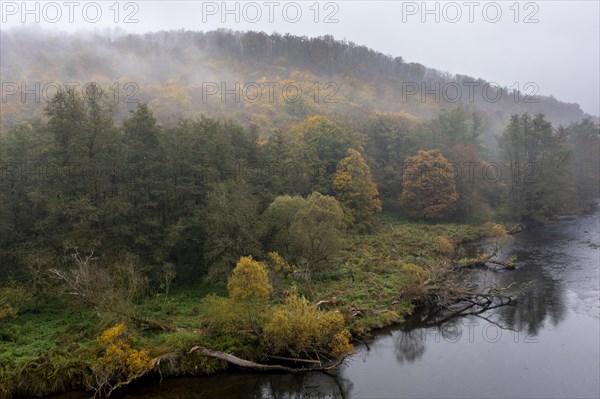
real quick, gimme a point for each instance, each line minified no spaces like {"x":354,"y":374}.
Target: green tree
{"x":450,"y":128}
{"x":141,"y":223}
{"x":537,"y":157}
{"x":231,"y":223}
{"x":585,"y":141}
{"x":305,"y":230}
{"x":320,"y":145}
{"x":390,"y":140}
{"x":474,"y":187}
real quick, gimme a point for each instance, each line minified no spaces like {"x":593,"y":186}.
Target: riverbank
{"x":51,"y":345}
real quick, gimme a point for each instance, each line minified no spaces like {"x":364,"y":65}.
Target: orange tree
{"x":429,"y":187}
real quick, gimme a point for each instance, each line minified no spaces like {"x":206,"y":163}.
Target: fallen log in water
{"x":247,"y":364}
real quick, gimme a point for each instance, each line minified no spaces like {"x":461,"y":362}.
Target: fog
{"x":552,"y":43}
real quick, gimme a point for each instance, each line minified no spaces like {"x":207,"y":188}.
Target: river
{"x":545,"y":346}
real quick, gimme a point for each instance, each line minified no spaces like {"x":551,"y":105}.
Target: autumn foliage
{"x":429,"y":187}
{"x":249,"y":280}
{"x":354,"y":186}
{"x":119,"y":362}
{"x":299,"y":329}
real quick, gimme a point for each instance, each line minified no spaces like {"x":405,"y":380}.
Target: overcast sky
{"x":555,"y":44}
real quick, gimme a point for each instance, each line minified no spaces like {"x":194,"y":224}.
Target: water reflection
{"x":409,"y":345}
{"x":240,"y":385}
{"x":545,"y":345}
{"x":546,"y":258}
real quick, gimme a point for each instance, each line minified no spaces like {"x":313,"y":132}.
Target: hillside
{"x":180,"y":73}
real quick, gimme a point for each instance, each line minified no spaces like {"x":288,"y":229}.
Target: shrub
{"x":301,"y":330}
{"x":119,"y":362}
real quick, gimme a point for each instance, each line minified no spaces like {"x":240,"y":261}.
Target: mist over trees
{"x":184,"y":73}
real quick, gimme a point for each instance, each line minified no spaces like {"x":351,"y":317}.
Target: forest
{"x":174,"y":236}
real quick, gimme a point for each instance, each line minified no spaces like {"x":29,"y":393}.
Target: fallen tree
{"x":247,"y":364}
{"x":447,"y":292}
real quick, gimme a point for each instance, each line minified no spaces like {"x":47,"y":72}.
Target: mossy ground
{"x":51,"y":346}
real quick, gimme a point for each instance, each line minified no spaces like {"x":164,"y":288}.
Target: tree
{"x":475,"y":188}
{"x":145,"y":194}
{"x":389,"y":142}
{"x":305,"y":230}
{"x":584,"y":137}
{"x":354,"y":186}
{"x":537,"y":157}
{"x":230,"y":218}
{"x":277,"y":221}
{"x":450,"y":128}
{"x":119,"y":362}
{"x":320,"y":145}
{"x":249,"y":281}
{"x":67,"y":120}
{"x":317,"y":230}
{"x":429,"y":187}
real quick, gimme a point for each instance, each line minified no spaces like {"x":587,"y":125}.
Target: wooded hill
{"x":173,"y":71}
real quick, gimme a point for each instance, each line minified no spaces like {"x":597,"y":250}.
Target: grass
{"x":374,"y":272}
{"x":51,"y":347}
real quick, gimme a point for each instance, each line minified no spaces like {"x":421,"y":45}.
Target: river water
{"x":545,"y":346}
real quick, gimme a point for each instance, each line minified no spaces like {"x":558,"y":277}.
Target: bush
{"x":119,"y":362}
{"x":301,"y":330}
{"x":110,"y":286}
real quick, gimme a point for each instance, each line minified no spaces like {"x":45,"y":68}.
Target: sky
{"x":539,"y":47}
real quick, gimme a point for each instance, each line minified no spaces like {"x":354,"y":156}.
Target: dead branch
{"x":450,"y":296}
{"x":243,"y":363}
{"x":106,"y":389}
{"x":293,"y":359}
{"x":247,"y":364}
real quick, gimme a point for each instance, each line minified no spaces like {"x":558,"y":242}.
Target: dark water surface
{"x":546,"y":346}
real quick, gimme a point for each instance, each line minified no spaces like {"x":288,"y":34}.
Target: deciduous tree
{"x":429,"y":189}
{"x":355,"y":188}
{"x":249,"y":281}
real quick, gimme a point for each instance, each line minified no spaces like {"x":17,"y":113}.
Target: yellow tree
{"x":249,"y":281}
{"x":354,"y":186}
{"x":119,"y":362}
{"x":248,"y":288}
{"x":429,"y":186}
